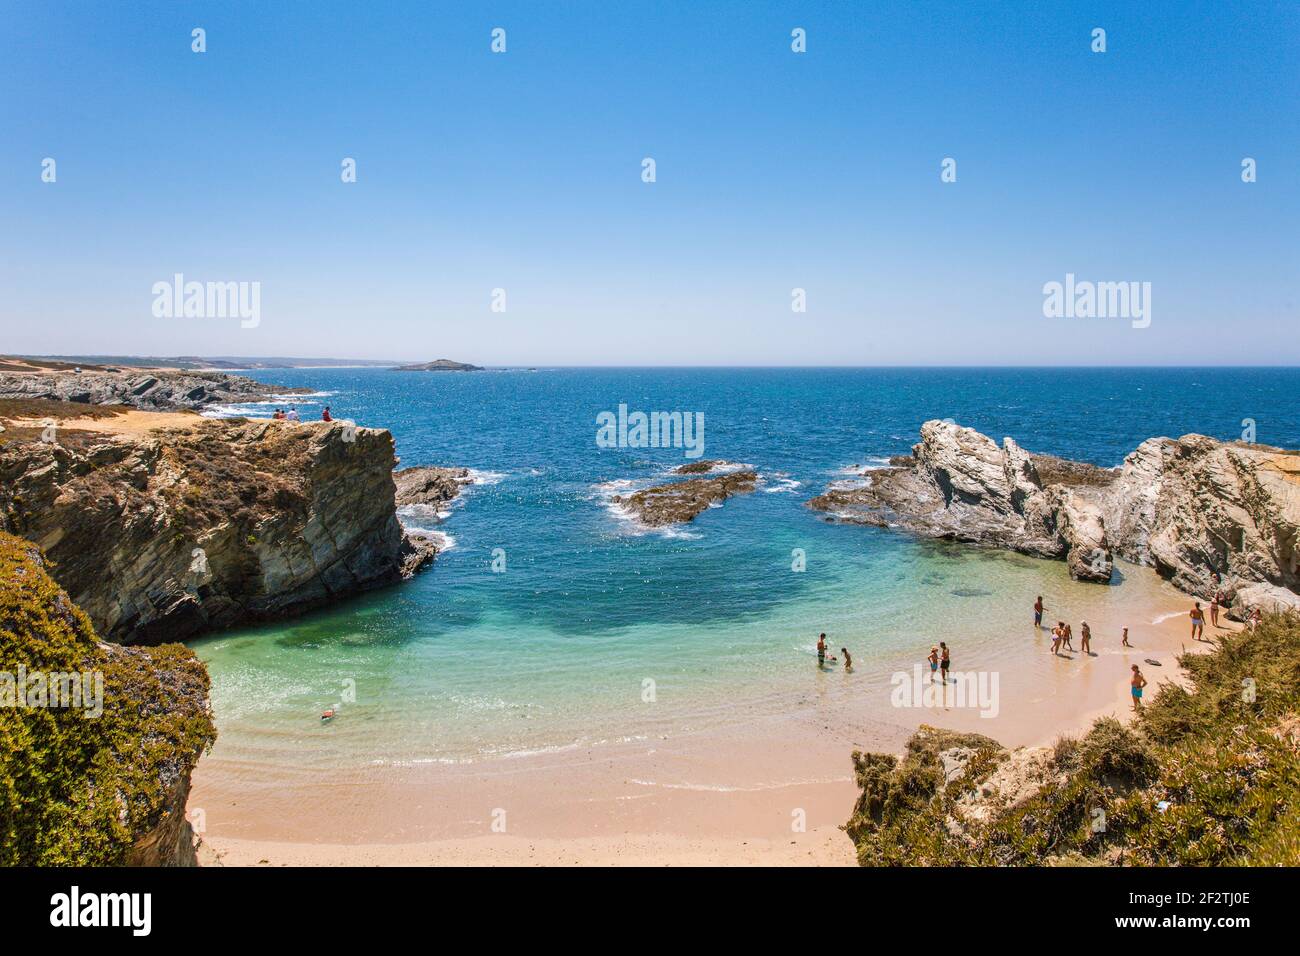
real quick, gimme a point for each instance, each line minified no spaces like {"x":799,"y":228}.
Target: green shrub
{"x":75,"y":789}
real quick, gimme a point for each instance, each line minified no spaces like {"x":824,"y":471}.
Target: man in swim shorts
{"x":943,"y":663}
{"x":1198,"y":622}
{"x":1136,"y":685}
{"x":1038,"y":612}
{"x":821,"y":650}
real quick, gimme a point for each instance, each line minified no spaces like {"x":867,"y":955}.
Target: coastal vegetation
{"x":1206,"y":776}
{"x":82,"y":785}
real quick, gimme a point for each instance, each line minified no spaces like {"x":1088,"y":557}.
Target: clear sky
{"x":775,"y":170}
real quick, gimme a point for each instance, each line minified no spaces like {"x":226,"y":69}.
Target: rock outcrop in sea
{"x":140,"y":388}
{"x":1210,"y":516}
{"x":961,"y":485}
{"x":164,"y":533}
{"x":680,"y":501}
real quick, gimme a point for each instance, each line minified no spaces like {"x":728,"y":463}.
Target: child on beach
{"x":1198,"y":622}
{"x":848,"y":661}
{"x":934,"y":662}
{"x":1125,"y":642}
{"x":1136,"y":685}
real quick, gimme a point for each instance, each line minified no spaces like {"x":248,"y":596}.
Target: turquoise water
{"x":463,"y":664}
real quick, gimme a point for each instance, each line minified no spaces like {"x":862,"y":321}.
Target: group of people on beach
{"x":1063,"y":633}
{"x":281,"y":415}
{"x":822,"y":656}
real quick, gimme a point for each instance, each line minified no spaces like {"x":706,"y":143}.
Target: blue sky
{"x":775,"y":170}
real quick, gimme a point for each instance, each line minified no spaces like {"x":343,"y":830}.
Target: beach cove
{"x":624,"y":694}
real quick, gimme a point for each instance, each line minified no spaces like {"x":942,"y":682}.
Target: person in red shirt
{"x":325,"y":415}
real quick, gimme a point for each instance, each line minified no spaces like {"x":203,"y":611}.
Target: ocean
{"x":600,"y":631}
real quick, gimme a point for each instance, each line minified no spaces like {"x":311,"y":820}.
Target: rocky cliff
{"x":97,"y":741}
{"x":139,"y":388}
{"x":961,"y":485}
{"x":161,"y":532}
{"x":1210,"y":516}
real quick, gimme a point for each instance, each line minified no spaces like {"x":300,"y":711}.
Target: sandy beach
{"x":770,"y":791}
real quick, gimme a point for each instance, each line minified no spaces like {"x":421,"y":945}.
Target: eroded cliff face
{"x":961,"y":485}
{"x":163,"y":532}
{"x":1210,"y":516}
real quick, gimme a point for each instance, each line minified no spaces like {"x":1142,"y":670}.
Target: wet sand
{"x":771,"y":790}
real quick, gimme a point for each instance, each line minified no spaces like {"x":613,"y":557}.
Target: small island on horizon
{"x":438,"y":365}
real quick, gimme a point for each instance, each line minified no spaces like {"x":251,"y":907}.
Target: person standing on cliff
{"x":1198,"y":622}
{"x":1038,"y":612}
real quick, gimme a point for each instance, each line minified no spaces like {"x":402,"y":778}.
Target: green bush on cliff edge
{"x":76,"y":789}
{"x":1206,"y":777}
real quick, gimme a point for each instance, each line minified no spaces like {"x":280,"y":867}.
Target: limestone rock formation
{"x":960,"y":485}
{"x":162,"y":534}
{"x":1210,"y":516}
{"x":141,"y":388}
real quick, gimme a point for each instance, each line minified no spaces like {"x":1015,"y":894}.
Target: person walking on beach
{"x":944,"y":661}
{"x":1067,"y":637}
{"x":848,"y":661}
{"x":1136,"y":685}
{"x":1038,"y":612}
{"x":1058,"y":633}
{"x":1124,"y":642}
{"x":1085,"y":638}
{"x":934,"y":662}
{"x":1198,"y":622}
